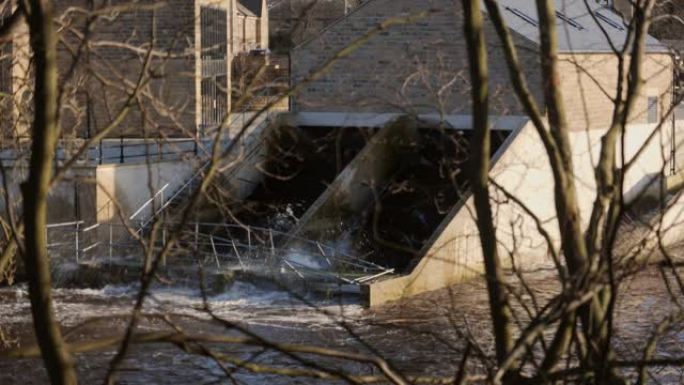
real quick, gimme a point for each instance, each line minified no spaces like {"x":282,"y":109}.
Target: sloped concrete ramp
{"x":353,"y":190}
{"x":520,"y":167}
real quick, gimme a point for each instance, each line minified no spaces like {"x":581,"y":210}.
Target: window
{"x":652,"y":109}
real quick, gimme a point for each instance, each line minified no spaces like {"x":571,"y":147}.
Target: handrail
{"x":149,"y":202}
{"x":175,"y":195}
{"x":63,"y":224}
{"x":167,"y":202}
{"x":184,"y":186}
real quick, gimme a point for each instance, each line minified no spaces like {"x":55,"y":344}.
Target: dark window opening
{"x":652,"y":109}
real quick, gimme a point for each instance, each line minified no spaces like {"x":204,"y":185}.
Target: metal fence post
{"x":270,"y":235}
{"x":109,"y":221}
{"x":77,"y":243}
{"x":121,"y":150}
{"x":249,"y":238}
{"x":110,"y":242}
{"x":196,"y":237}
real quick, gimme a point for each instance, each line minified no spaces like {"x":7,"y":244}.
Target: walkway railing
{"x":222,"y":246}
{"x":123,"y":150}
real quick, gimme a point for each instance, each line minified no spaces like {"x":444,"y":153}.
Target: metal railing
{"x":79,"y":243}
{"x":148,"y":203}
{"x":225,"y":247}
{"x":112,"y":151}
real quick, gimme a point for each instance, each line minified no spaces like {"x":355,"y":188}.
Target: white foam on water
{"x":243,"y":302}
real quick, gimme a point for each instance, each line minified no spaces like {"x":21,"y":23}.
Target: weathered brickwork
{"x":589,"y":83}
{"x":422,"y":67}
{"x":99,"y":86}
{"x":419,"y":67}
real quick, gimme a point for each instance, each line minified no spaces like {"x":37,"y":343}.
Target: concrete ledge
{"x":348,"y":119}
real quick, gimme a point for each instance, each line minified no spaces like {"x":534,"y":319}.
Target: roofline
{"x":659,"y":50}
{"x":380,"y":119}
{"x":601,"y":52}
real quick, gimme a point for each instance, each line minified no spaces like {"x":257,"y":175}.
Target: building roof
{"x":253,"y":6}
{"x":578,"y":30}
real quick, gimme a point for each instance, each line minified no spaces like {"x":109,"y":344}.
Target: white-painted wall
{"x":131,"y":185}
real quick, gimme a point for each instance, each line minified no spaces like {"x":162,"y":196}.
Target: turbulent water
{"x":423,"y":336}
{"x":242,"y":302}
{"x":271,"y":313}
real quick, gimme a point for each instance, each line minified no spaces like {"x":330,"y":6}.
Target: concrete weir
{"x":397,"y":197}
{"x":350,"y":194}
{"x":520,"y":168}
{"x":390,"y":201}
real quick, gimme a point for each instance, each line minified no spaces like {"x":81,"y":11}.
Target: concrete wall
{"x":131,"y":185}
{"x":71,"y":199}
{"x":521,"y":168}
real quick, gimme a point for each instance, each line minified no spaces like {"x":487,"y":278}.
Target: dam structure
{"x":362,"y":186}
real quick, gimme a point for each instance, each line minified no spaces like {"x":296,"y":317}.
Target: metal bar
{"x":249,"y":237}
{"x":148,"y":202}
{"x":370,"y":277}
{"x":58,"y":244}
{"x":270,"y":235}
{"x":293,"y":268}
{"x":121,"y":149}
{"x":94,"y":245}
{"x":64,"y":224}
{"x":213,"y":247}
{"x":196,"y":235}
{"x":111,"y":232}
{"x":237,"y":253}
{"x":77,"y":241}
{"x":89,"y":228}
{"x":323,"y":253}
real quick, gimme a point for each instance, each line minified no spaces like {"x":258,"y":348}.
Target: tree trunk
{"x":481,"y":148}
{"x":56,"y":357}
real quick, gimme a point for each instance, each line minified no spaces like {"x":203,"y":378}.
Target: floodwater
{"x":422,"y":336}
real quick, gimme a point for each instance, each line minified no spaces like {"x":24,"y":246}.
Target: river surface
{"x":422,"y":336}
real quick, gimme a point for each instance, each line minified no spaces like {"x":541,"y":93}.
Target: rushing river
{"x":424,"y":336}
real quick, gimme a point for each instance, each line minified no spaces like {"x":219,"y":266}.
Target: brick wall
{"x":589,"y":81}
{"x":98,"y":78}
{"x":418,"y":67}
{"x":104,"y":76}
{"x":422,"y":67}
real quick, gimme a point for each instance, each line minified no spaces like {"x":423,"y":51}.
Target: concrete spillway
{"x":392,"y":197}
{"x":399,"y":198}
{"x":295,"y":167}
{"x":380,"y":195}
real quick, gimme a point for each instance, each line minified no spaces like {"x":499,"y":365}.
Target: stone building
{"x":422,"y":67}
{"x":294,"y":21}
{"x":419,"y":68}
{"x":184,"y":48}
